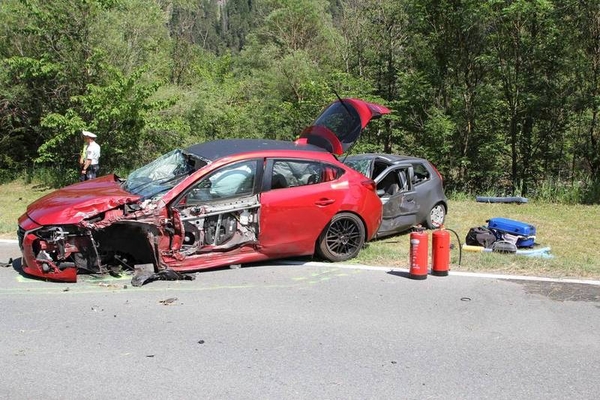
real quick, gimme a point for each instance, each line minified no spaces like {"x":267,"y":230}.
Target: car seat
{"x":389,"y":184}
{"x":312,"y":179}
{"x":278,"y":182}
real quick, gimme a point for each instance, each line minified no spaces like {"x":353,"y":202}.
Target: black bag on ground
{"x":481,"y":236}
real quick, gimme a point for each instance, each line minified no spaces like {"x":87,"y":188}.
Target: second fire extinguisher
{"x":440,"y":252}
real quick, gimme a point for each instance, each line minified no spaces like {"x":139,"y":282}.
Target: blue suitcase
{"x":525,"y":232}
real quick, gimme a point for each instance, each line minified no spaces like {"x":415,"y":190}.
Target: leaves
{"x":500,"y":95}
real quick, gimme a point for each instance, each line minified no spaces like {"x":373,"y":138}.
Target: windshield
{"x":361,"y":165}
{"x":155,"y":179}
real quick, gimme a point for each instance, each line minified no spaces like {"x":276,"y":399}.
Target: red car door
{"x":299,"y":198}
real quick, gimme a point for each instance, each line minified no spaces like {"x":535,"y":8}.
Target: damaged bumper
{"x":42,"y":265}
{"x":37,"y":259}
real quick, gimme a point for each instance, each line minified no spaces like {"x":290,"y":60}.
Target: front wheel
{"x":342,"y":238}
{"x":436,"y":216}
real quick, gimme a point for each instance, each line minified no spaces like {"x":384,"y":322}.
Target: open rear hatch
{"x":339,"y":126}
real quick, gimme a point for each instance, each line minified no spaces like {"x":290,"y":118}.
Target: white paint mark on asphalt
{"x":456,"y":273}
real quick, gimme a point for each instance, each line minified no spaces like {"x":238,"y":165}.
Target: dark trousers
{"x":91,"y":173}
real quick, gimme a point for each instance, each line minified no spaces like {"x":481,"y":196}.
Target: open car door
{"x":395,"y":189}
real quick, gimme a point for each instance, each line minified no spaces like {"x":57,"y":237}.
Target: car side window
{"x":421,"y":174}
{"x":233,"y":180}
{"x":395,"y":181}
{"x":287,"y":173}
{"x":389,"y":185}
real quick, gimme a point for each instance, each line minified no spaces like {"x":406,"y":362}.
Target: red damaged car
{"x":219,"y":203}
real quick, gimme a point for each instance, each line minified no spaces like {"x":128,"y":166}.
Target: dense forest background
{"x":503,"y":96}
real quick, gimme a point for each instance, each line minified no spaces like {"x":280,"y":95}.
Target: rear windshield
{"x":343,"y":120}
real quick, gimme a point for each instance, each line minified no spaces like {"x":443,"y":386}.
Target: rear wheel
{"x":342,"y":239}
{"x":436,"y":216}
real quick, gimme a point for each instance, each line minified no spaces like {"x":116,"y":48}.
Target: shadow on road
{"x":18,"y":267}
{"x":402,"y":274}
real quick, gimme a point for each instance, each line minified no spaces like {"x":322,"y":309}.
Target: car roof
{"x":393,"y":158}
{"x":217,"y":149}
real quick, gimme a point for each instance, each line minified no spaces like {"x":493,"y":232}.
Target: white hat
{"x":88,"y":134}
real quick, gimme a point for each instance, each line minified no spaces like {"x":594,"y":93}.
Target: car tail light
{"x":437,"y":172}
{"x":370,"y":184}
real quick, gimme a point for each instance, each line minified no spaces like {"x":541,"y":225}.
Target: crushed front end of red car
{"x":58,"y":234}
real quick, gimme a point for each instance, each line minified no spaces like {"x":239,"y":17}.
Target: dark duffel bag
{"x":481,"y":236}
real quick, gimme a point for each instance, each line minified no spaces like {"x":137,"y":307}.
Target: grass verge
{"x":14,"y":198}
{"x":572,"y":232}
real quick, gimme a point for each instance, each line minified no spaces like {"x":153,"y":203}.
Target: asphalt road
{"x":285,"y":331}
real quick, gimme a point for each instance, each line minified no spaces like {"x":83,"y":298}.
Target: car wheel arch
{"x":324,"y":251}
{"x":428,"y":222}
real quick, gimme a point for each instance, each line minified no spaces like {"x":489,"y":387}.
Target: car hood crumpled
{"x":72,"y":204}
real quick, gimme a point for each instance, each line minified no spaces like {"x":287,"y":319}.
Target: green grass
{"x":572,"y":231}
{"x":14,"y":198}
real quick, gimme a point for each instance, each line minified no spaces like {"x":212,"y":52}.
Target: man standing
{"x":92,"y":154}
{"x":82,"y":158}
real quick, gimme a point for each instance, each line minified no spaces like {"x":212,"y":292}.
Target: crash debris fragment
{"x":142,"y":276}
{"x":168,"y":301}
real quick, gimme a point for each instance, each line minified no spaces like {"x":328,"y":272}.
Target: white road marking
{"x":457,"y":273}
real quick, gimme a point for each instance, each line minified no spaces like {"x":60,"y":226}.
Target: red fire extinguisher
{"x":419,"y":249}
{"x":440,"y":252}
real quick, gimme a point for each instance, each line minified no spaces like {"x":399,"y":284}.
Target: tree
{"x":63,"y":71}
{"x":123,"y":114}
{"x":588,"y":83}
{"x":527,"y":50}
{"x":47,"y":58}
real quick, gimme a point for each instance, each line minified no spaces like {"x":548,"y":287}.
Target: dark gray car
{"x":410,"y":188}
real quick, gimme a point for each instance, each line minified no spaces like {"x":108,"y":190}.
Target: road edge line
{"x":455,"y":273}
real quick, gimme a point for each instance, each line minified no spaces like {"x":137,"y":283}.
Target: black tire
{"x":436,"y":216}
{"x":342,"y":239}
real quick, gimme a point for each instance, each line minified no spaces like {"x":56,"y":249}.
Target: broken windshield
{"x":361,"y":165}
{"x":161,"y":175}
